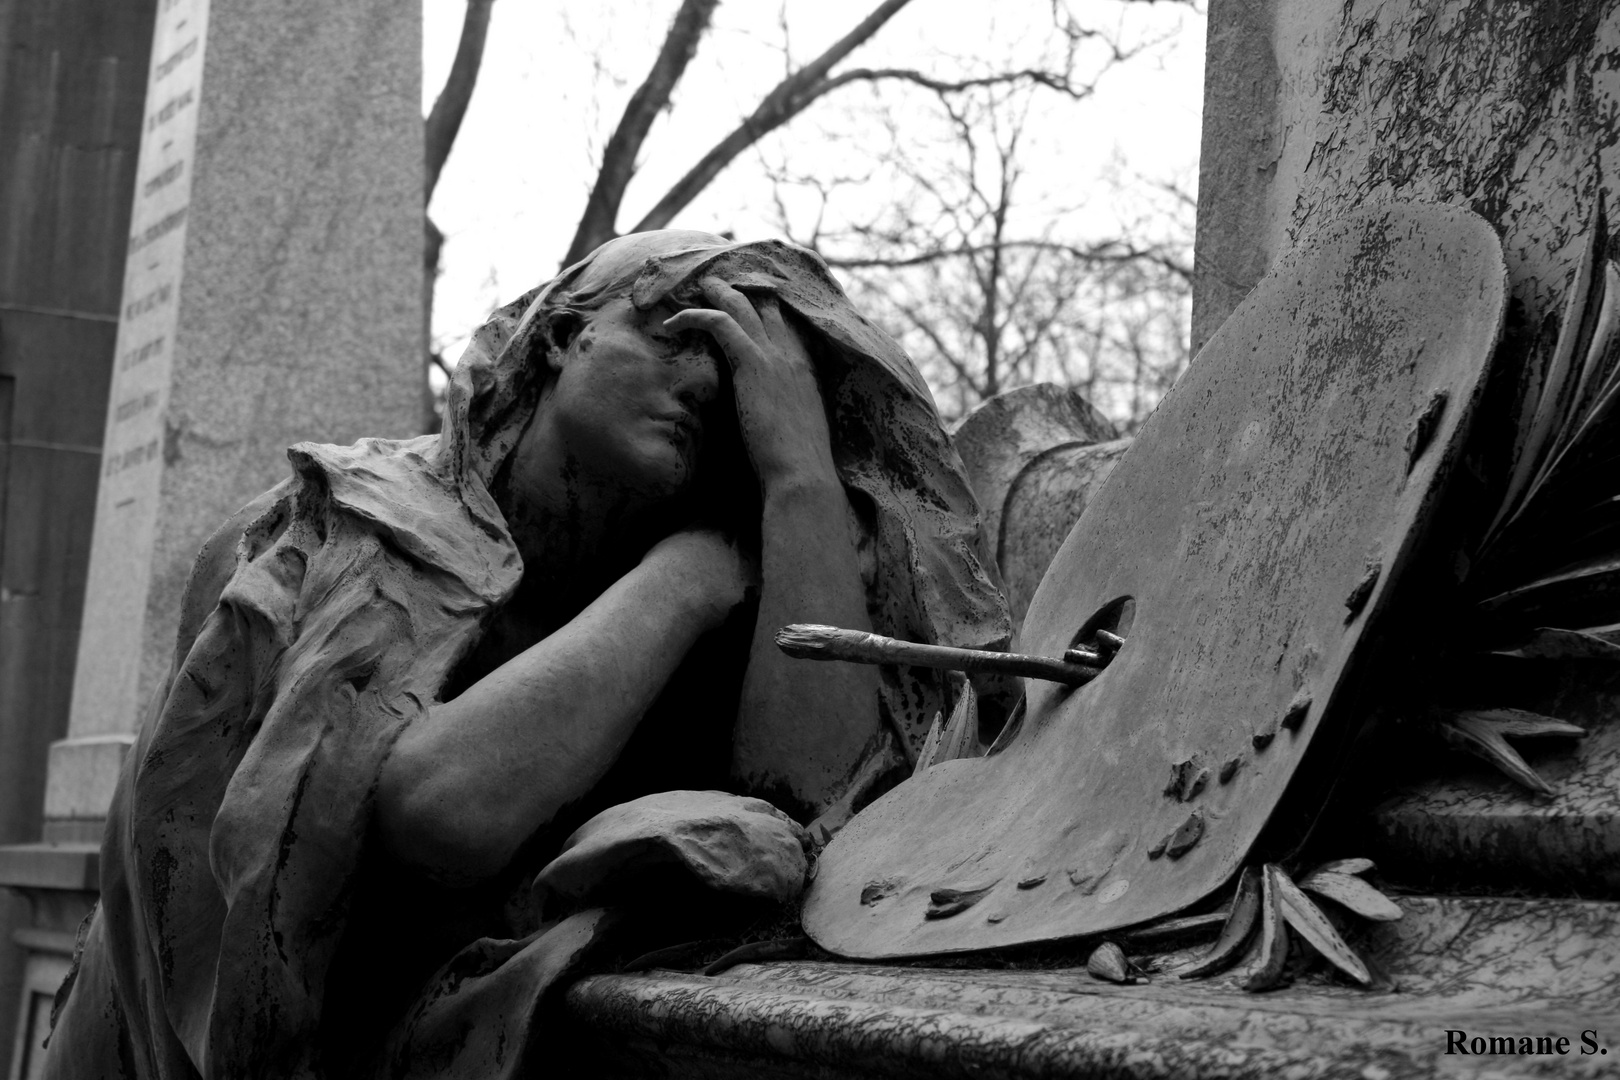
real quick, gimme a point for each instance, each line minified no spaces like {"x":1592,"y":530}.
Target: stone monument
{"x":271,"y":295}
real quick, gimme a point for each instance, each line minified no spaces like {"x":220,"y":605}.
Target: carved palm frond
{"x":1543,"y":584}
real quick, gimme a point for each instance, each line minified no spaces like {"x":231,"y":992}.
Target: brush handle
{"x":809,"y":641}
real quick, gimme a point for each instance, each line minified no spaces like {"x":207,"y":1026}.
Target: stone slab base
{"x":1484,"y":967}
{"x":60,"y":867}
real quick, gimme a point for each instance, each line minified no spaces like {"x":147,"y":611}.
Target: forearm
{"x":471,"y":780}
{"x":801,"y":725}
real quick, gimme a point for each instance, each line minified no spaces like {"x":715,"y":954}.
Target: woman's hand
{"x":779,"y":406}
{"x":707,"y":567}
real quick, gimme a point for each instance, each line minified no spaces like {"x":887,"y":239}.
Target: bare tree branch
{"x":438,"y":136}
{"x":651,"y":97}
{"x":927,"y":328}
{"x":788,"y":99}
{"x":1051,"y":80}
{"x":1110,"y":251}
{"x":444,"y":122}
{"x":982,"y":308}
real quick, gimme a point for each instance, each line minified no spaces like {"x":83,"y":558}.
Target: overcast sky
{"x":557,"y":73}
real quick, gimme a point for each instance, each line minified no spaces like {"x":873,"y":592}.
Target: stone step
{"x":1480,"y":967}
{"x":1463,"y":826}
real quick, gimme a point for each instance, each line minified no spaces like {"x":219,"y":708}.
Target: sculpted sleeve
{"x":244,"y":809}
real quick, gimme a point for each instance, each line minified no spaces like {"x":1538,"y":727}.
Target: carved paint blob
{"x":1113,"y":891}
{"x":1186,"y":836}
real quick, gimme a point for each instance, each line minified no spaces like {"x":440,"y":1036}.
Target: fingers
{"x":770,"y":313}
{"x":746,"y":333}
{"x":733,"y":340}
{"x":734,"y":303}
{"x":761,"y":319}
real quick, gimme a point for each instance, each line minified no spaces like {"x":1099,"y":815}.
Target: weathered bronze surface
{"x":1242,"y":547}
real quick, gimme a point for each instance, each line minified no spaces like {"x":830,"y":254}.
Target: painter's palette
{"x":1242,"y":547}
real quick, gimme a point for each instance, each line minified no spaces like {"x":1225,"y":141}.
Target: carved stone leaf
{"x":1239,"y":926}
{"x":1354,"y":894}
{"x":1345,"y":866}
{"x":1483,"y":738}
{"x":1587,"y":594}
{"x":960,"y":738}
{"x":1271,"y":951}
{"x":956,"y":737}
{"x":1170,"y":928}
{"x":1551,"y":643}
{"x":1545,"y":412}
{"x":1522,"y":724}
{"x":1597,"y":366}
{"x":1313,"y":926}
{"x":1581,"y":441}
{"x":929,"y":754}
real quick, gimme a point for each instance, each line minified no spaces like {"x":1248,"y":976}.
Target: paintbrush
{"x":809,"y":641}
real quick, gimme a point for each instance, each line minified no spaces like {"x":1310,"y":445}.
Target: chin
{"x":665,"y":476}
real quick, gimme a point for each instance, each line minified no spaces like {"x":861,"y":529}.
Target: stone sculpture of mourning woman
{"x":404,"y":675}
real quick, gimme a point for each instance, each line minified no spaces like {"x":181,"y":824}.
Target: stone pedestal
{"x":272,"y":294}
{"x":1477,"y":966}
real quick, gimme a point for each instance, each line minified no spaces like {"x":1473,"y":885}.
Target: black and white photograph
{"x":809,"y":539}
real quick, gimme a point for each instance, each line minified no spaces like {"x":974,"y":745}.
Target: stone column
{"x":272,"y":294}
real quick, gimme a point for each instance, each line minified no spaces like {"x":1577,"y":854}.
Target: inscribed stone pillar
{"x":272,"y":294}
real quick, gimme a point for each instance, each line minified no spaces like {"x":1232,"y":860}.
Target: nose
{"x":697,"y":382}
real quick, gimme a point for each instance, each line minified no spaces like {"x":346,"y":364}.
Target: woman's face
{"x":628,"y":404}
